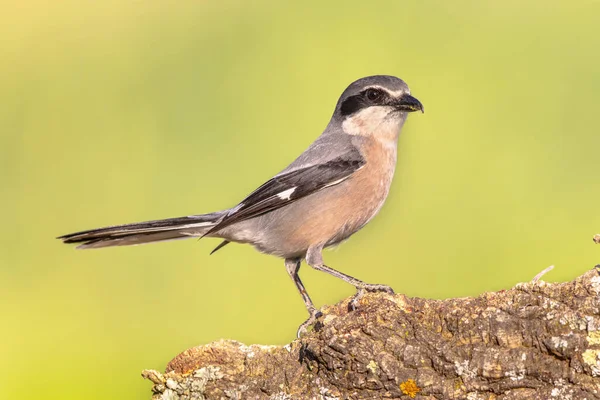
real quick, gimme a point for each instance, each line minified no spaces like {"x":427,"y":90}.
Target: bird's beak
{"x":408,"y":103}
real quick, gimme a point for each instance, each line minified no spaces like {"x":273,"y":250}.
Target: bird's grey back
{"x":332,"y":144}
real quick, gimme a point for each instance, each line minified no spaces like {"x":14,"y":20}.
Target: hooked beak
{"x":409,"y":104}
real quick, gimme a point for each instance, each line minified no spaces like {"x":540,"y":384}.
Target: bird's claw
{"x":362,"y":290}
{"x":312,"y":320}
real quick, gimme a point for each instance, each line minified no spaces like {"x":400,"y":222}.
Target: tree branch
{"x":537,"y":340}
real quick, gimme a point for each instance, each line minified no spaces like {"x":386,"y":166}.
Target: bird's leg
{"x":292,"y":267}
{"x":315,"y":260}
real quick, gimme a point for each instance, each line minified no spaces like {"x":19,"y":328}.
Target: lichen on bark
{"x":535,"y":341}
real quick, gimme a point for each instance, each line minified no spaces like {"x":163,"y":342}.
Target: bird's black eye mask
{"x":367,"y":98}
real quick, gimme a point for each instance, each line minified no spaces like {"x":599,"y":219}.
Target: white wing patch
{"x":285,"y":195}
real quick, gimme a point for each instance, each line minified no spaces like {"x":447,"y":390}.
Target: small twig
{"x":544,"y":272}
{"x":597,"y":238}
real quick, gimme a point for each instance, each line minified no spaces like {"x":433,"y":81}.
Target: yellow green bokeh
{"x":115,"y":112}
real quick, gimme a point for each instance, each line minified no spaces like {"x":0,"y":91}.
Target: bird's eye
{"x":373,"y":94}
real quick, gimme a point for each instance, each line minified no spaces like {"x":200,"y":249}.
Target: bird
{"x":328,"y":193}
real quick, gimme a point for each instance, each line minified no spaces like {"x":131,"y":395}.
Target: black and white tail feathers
{"x":280,"y":191}
{"x":144,"y":232}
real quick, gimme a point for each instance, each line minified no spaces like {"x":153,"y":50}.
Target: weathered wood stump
{"x":537,"y":340}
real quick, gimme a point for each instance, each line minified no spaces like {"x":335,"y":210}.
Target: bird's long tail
{"x":144,"y":232}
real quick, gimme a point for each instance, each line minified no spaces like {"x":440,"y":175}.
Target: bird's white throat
{"x":380,"y":122}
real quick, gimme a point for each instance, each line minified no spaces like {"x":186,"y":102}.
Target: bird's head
{"x":375,"y":106}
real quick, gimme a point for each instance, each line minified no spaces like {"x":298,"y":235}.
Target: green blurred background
{"x":117,"y":112}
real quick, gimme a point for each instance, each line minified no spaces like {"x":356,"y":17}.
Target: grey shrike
{"x":327,"y":194}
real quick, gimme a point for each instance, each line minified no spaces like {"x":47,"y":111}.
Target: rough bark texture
{"x":535,"y":341}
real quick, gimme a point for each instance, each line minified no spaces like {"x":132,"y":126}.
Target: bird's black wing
{"x":287,"y":187}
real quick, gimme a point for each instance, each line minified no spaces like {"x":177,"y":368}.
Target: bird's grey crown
{"x":391,"y":83}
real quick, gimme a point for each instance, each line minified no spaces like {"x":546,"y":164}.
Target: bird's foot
{"x":366,"y":288}
{"x":312,"y":321}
